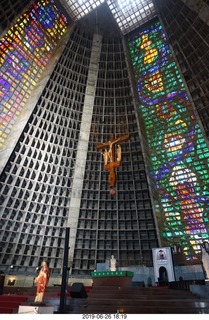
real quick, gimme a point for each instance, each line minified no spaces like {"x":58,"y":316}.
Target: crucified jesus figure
{"x":112,"y":156}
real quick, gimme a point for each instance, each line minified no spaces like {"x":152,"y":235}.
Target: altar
{"x":112,"y":278}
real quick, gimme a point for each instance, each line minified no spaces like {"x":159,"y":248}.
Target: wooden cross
{"x":112,"y":156}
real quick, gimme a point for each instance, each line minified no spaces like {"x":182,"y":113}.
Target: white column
{"x":80,"y":163}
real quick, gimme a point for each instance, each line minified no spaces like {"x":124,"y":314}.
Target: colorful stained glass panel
{"x":24,"y":53}
{"x":179,"y":154}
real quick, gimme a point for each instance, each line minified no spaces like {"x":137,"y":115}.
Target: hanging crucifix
{"x":112,"y":157}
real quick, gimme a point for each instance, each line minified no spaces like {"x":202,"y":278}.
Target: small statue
{"x":113,"y":264}
{"x":105,"y":156}
{"x":119,"y":152}
{"x":42,"y":282}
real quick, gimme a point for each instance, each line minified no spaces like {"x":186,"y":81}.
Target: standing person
{"x":42,"y":281}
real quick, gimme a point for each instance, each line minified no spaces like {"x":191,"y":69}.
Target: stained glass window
{"x":179,"y":154}
{"x":24,"y":53}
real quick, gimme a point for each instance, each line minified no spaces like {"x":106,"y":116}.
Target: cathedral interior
{"x":74,"y":75}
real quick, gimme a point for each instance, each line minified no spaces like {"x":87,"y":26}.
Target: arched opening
{"x":163,"y":276}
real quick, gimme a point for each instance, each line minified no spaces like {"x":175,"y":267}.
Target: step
{"x":144,"y":309}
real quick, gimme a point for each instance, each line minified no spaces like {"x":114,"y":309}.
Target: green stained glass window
{"x":178,"y":150}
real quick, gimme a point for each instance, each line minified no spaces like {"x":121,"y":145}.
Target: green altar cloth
{"x":112,"y":278}
{"x":112,"y":274}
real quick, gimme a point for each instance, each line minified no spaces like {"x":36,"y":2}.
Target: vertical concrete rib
{"x":80,"y":163}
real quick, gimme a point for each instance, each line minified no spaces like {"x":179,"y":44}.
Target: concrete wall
{"x":27,"y":281}
{"x":146,"y":274}
{"x":141,"y":274}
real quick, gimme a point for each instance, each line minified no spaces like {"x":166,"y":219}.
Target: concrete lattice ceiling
{"x":128,"y":14}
